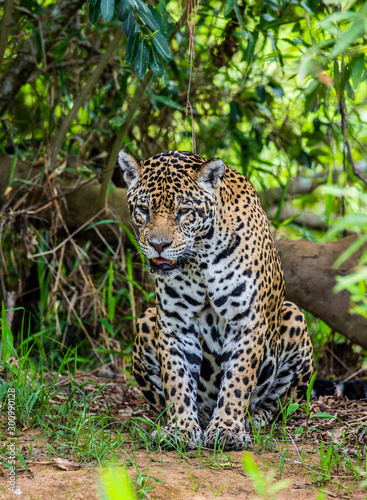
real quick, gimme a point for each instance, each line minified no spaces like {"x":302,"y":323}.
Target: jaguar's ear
{"x":130,"y":166}
{"x":211,"y":174}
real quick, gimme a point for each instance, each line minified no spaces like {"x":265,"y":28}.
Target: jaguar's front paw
{"x":231,"y":439}
{"x":172,"y":436}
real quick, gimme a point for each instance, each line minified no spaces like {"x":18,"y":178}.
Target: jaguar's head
{"x":171,"y":198}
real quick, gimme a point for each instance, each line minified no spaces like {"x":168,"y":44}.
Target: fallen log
{"x":310,"y":279}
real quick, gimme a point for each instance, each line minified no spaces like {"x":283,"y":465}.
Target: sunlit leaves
{"x":358,"y":69}
{"x":337,"y":52}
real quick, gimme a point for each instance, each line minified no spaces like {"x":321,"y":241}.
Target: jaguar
{"x":222,"y":350}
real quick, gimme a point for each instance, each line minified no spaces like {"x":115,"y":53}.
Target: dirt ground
{"x":196,"y":477}
{"x":179,"y":480}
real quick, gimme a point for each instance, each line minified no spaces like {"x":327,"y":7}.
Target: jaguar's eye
{"x":143,"y":209}
{"x":183,"y":211}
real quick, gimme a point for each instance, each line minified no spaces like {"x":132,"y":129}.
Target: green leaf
{"x":94,"y":12}
{"x":352,"y":279}
{"x":229,"y":7}
{"x":291,"y":408}
{"x":116,"y":121}
{"x":142,"y":59}
{"x":254,"y":473}
{"x":309,"y":391}
{"x":351,"y":222}
{"x":235,"y":111}
{"x":133,"y":43}
{"x":140,"y":5}
{"x":123,"y":10}
{"x":323,"y":415}
{"x":168,"y":102}
{"x":107,"y":9}
{"x":249,"y":52}
{"x":116,"y":484}
{"x":148,"y":19}
{"x":312,"y":92}
{"x":358,"y":65}
{"x":261,"y":93}
{"x":7,"y":336}
{"x":306,"y":159}
{"x":356,"y":245}
{"x":155,"y":64}
{"x":161,"y":44}
{"x":337,"y":17}
{"x":128,"y":25}
{"x":348,"y":38}
{"x":329,"y":197}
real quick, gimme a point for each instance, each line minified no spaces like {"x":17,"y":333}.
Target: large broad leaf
{"x":148,"y":19}
{"x":142,"y":59}
{"x":155,"y":64}
{"x":123,"y":10}
{"x":107,"y":9}
{"x":129,"y":24}
{"x":94,"y":12}
{"x":132,"y":46}
{"x":140,"y":5}
{"x":161,"y":44}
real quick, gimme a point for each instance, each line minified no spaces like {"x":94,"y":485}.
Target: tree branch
{"x":134,"y":105}
{"x":82,"y":97}
{"x":21,"y":68}
{"x":112,"y":160}
{"x":4,"y":28}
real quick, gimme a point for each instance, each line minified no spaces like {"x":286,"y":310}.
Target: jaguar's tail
{"x":352,"y":389}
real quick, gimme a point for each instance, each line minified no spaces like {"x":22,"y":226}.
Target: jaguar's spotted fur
{"x":221,"y":342}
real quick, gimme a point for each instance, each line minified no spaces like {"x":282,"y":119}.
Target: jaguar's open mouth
{"x":161,"y":264}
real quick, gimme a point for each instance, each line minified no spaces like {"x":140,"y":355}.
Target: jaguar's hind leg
{"x":286,"y":370}
{"x":146,"y":369}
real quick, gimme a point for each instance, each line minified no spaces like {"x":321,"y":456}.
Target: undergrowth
{"x":65,"y":424}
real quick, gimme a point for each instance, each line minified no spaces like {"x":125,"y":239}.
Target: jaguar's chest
{"x":224,"y":295}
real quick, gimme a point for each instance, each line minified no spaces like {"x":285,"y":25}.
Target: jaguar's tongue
{"x":161,"y":260}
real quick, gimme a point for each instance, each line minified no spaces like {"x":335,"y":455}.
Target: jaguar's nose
{"x":159,"y":245}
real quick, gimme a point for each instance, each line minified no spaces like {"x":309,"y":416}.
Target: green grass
{"x":65,"y":424}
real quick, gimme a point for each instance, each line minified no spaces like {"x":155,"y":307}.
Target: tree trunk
{"x":24,"y":64}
